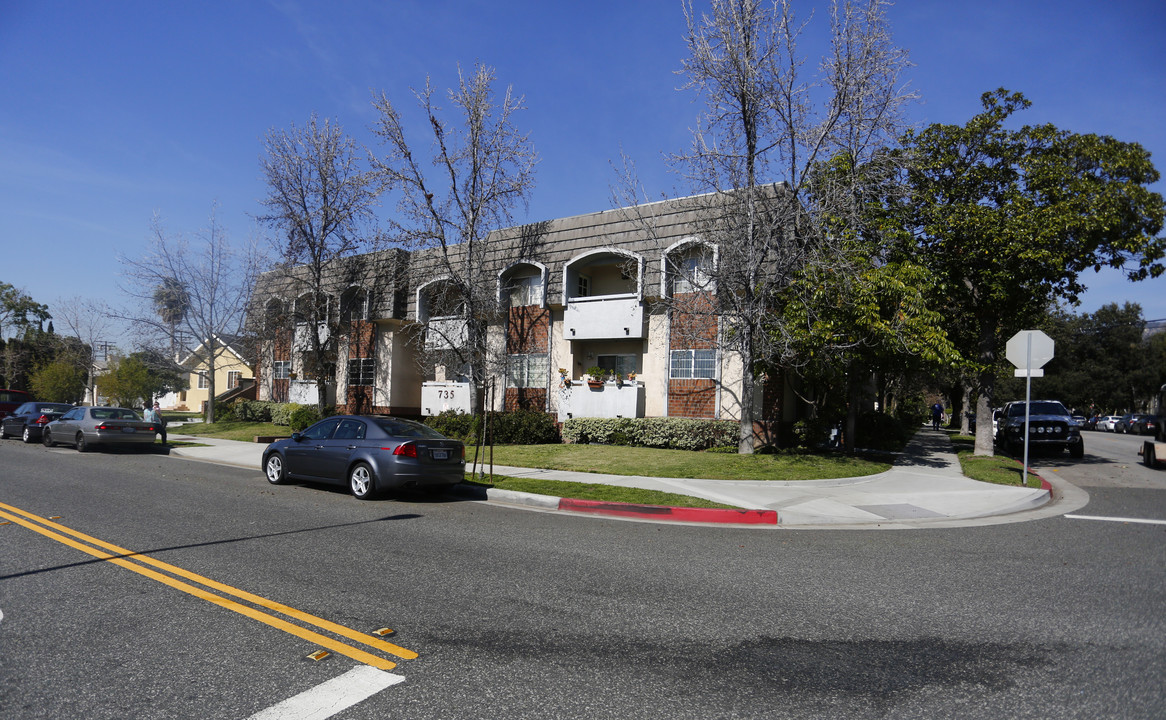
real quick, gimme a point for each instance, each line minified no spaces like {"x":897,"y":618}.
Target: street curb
{"x":735,"y":516}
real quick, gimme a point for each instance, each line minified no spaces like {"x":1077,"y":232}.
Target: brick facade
{"x":695,"y":398}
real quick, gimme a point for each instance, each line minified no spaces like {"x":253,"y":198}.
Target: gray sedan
{"x":86,"y":427}
{"x":369,"y":454}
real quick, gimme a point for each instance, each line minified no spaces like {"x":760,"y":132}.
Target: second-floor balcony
{"x":604,"y":317}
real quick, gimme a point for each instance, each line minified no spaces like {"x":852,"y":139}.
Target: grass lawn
{"x":650,"y":462}
{"x":229,"y":430}
{"x":997,"y":469}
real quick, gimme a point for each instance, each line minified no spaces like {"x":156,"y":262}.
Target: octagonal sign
{"x":1018,"y":349}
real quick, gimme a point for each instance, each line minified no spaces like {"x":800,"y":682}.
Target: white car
{"x":1106,"y":423}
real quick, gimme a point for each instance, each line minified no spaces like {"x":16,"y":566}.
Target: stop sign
{"x":1029,"y":349}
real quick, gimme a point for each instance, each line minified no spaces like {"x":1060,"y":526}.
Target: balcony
{"x":604,"y":317}
{"x":610,"y":401}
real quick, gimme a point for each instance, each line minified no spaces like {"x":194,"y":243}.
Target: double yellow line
{"x":138,"y":563}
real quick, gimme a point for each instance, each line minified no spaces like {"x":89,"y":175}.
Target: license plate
{"x":129,"y":429}
{"x":439,"y":454}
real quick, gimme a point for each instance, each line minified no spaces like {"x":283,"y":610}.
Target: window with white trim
{"x":688,"y":364}
{"x":203,"y":383}
{"x":693,"y":274}
{"x":233,"y":378}
{"x":527,"y":371}
{"x":361,"y":371}
{"x":526,"y":291}
{"x":281,"y":369}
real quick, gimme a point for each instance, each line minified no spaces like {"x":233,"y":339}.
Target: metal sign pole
{"x":1027,"y":409}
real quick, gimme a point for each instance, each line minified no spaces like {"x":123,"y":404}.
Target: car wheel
{"x":1150,"y":457}
{"x":1077,"y":451}
{"x":46,"y":439}
{"x":274,"y":470}
{"x":82,"y":446}
{"x":26,"y":435}
{"x":361,"y":481}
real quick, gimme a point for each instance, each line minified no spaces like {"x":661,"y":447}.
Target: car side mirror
{"x":296,"y":437}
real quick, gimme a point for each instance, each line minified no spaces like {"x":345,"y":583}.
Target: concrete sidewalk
{"x":924,"y":488}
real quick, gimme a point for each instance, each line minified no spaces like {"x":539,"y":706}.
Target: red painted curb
{"x":661,"y":512}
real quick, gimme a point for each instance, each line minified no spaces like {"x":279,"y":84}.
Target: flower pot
{"x":595,"y":384}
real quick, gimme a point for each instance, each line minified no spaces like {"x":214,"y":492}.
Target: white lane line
{"x":1143,"y":521}
{"x":327,"y":699}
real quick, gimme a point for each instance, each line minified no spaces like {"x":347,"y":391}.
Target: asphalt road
{"x":540,"y":615}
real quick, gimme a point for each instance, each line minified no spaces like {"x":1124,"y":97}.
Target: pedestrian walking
{"x":936,"y":415}
{"x":154,"y":415}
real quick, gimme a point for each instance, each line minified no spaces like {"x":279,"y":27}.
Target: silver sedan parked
{"x":86,"y":427}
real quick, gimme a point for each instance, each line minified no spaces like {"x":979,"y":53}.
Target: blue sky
{"x":111,"y":111}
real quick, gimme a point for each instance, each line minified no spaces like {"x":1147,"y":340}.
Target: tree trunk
{"x":987,"y":387}
{"x":965,"y":405}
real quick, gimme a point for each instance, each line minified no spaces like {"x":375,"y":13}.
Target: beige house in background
{"x":232,"y":369}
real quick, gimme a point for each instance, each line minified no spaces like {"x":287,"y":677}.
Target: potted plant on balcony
{"x":595,"y":376}
{"x":618,"y":378}
{"x":563,"y":377}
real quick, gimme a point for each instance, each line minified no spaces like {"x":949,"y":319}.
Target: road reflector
{"x":319,"y":655}
{"x":384,"y":632}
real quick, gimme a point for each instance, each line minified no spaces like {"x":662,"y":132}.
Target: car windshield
{"x":407,"y":428}
{"x":1040,"y":407}
{"x":114,"y":414}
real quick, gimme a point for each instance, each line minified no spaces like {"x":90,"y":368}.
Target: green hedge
{"x":521,"y":427}
{"x":671,"y":433}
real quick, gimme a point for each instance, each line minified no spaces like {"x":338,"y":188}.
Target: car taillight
{"x":42,"y":420}
{"x":103,"y":426}
{"x":406,"y":450}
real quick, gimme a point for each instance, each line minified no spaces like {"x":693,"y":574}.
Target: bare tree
{"x":485,"y":167}
{"x":92,"y":325}
{"x":320,"y":199}
{"x":765,"y":121}
{"x":209,"y":275}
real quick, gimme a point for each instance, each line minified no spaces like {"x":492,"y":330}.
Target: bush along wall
{"x":520,"y":427}
{"x":670,"y":433}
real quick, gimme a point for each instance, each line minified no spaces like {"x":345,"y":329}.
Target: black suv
{"x":1049,"y":426}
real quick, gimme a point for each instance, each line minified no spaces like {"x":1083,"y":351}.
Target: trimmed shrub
{"x":302,"y":416}
{"x":671,"y":433}
{"x":455,"y":424}
{"x":281,"y":413}
{"x":521,"y":427}
{"x":880,"y":431}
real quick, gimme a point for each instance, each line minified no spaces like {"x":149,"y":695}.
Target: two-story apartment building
{"x":605,"y":290}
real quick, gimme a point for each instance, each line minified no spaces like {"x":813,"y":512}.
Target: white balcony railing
{"x":604,"y":317}
{"x":612,"y":401}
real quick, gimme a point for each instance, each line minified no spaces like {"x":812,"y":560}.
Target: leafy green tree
{"x":59,"y":381}
{"x":132,"y":380}
{"x":1007,"y":220}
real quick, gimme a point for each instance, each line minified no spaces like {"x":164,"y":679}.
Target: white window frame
{"x":527,"y":370}
{"x":281,"y":369}
{"x":366,"y":369}
{"x":203,"y":381}
{"x":693,"y":365}
{"x":234,"y":377}
{"x":526,"y":291}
